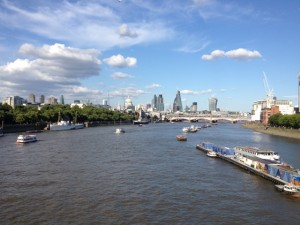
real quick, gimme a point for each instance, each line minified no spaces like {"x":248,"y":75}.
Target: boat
{"x":181,"y":137}
{"x":79,"y":126}
{"x":211,"y":154}
{"x":289,"y":189}
{"x":191,"y":129}
{"x":141,"y":120}
{"x":257,"y":152}
{"x":62,"y":125}
{"x":119,"y":131}
{"x":22,"y":139}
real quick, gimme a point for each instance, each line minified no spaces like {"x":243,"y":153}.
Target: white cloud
{"x":120,"y":61}
{"x":49,"y":69}
{"x":240,"y":54}
{"x":151,"y":86}
{"x":214,"y":55}
{"x":83,"y":23}
{"x":191,"y":92}
{"x":120,"y":75}
{"x":124,"y":31}
{"x":129,"y":91}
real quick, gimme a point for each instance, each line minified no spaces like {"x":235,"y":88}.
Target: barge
{"x":273,"y":170}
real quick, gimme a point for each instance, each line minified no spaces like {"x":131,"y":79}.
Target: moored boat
{"x":256,"y":152}
{"x":181,"y":137}
{"x":22,"y":139}
{"x":211,"y":154}
{"x":289,"y":189}
{"x":62,"y":125}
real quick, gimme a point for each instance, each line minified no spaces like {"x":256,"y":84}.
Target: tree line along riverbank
{"x":277,"y":131}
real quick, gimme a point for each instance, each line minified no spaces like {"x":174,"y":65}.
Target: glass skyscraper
{"x":177,"y":105}
{"x":212,"y":104}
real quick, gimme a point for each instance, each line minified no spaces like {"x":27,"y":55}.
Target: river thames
{"x":144,"y":176}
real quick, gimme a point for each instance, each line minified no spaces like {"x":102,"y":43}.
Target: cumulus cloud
{"x":129,"y":91}
{"x":120,"y":75}
{"x":120,"y":61}
{"x":239,"y":54}
{"x":191,"y":92}
{"x":49,"y":69}
{"x":124,"y":31}
{"x":151,"y":86}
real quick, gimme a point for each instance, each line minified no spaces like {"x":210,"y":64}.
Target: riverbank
{"x":282,"y":132}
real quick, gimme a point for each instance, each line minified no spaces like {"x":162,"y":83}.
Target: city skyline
{"x":100,"y":50}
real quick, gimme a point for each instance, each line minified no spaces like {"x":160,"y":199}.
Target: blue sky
{"x":138,"y":48}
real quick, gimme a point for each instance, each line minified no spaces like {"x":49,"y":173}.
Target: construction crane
{"x":269,"y":92}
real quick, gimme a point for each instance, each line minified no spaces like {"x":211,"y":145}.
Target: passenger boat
{"x":289,"y":189}
{"x":181,"y":137}
{"x":191,"y":129}
{"x":79,"y":126}
{"x":119,"y":131}
{"x":256,"y":152}
{"x":22,"y":139}
{"x":62,"y":125}
{"x":211,"y":154}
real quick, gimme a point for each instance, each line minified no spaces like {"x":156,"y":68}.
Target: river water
{"x":144,"y":176}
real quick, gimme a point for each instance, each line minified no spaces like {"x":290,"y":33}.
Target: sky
{"x":111,"y":49}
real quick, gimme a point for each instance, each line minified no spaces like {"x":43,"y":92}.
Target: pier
{"x":233,"y":160}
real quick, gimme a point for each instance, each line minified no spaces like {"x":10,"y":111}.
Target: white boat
{"x":211,"y":154}
{"x":289,"y":189}
{"x":256,"y":152}
{"x":22,"y":139}
{"x":79,"y":126}
{"x":62,"y":125}
{"x":191,"y":129}
{"x":119,"y":131}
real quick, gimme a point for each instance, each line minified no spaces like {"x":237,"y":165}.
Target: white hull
{"x":22,"y":139}
{"x":62,"y":125}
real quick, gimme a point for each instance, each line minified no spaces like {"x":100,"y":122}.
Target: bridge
{"x":206,"y":118}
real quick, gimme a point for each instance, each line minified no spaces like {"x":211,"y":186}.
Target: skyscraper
{"x":42,"y":99}
{"x":212,"y":104}
{"x":194,"y":107}
{"x":62,"y":100}
{"x":154,"y":103}
{"x":177,"y":105}
{"x":299,"y":92}
{"x":160,"y":103}
{"x":32,"y":98}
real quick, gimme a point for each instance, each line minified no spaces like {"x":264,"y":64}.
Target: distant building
{"x":212,"y":104}
{"x":13,"y":101}
{"x":154,"y":103}
{"x":160,"y":103}
{"x":177,"y":105}
{"x":193,"y":107}
{"x":52,"y":101}
{"x":77,"y":101}
{"x":299,"y":92}
{"x":128,"y":104}
{"x":262,"y":113}
{"x":42,"y":99}
{"x":104,"y":102}
{"x":31,"y":98}
{"x":62,"y":100}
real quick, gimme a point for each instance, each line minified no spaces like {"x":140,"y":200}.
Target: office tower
{"x":299,"y":92}
{"x":62,"y":101}
{"x":212,"y":104}
{"x":160,"y":103}
{"x":104,"y":102}
{"x":52,"y":101}
{"x":177,"y":105}
{"x":194,"y":107}
{"x":42,"y":99}
{"x":32,"y":98}
{"x":154,"y":103}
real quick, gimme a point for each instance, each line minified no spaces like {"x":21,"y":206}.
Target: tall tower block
{"x":299,"y":91}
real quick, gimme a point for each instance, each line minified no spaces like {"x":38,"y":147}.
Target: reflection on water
{"x":144,"y":176}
